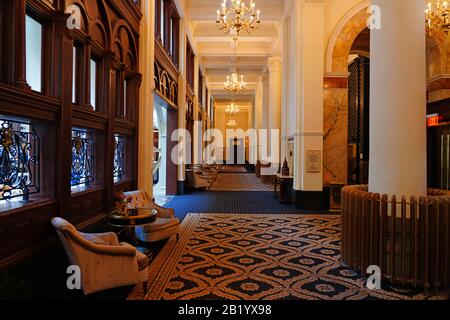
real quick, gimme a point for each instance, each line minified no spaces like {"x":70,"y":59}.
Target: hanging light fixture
{"x":235,"y":84}
{"x":232,"y":109}
{"x":232,"y":123}
{"x":437,"y":15}
{"x":238,"y":16}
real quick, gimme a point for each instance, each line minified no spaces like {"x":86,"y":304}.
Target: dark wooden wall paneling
{"x":110,"y":31}
{"x":190,"y":62}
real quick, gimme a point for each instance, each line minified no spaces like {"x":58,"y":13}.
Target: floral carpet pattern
{"x":257,"y":257}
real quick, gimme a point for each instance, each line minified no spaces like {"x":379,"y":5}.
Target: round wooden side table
{"x":135,"y":218}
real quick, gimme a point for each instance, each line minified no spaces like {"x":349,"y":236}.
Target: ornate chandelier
{"x":235,"y":85}
{"x":232,"y":109}
{"x":437,"y":15}
{"x":232,"y":123}
{"x":238,"y":17}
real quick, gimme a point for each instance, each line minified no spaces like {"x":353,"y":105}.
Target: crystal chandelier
{"x":232,"y":109}
{"x":238,"y":17}
{"x":234,"y":84}
{"x":232,"y":123}
{"x":437,"y":15}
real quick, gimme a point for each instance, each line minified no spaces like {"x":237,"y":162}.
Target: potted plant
{"x":120,"y":205}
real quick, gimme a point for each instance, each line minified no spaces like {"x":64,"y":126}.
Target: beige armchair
{"x":205,"y":173}
{"x":165,"y":226}
{"x":104,"y":262}
{"x":197,"y":181}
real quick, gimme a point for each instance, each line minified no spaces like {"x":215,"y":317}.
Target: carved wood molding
{"x":165,"y":60}
{"x":166,"y":78}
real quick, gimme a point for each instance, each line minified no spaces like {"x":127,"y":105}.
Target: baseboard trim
{"x":181,"y":188}
{"x":312,"y":200}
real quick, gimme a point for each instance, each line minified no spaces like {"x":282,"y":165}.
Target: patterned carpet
{"x":253,"y":257}
{"x":240,"y":182}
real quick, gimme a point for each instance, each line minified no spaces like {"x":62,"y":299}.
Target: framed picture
{"x":313,"y":161}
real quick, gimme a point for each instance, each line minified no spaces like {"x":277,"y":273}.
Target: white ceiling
{"x":217,"y":52}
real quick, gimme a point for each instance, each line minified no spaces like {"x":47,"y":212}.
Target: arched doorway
{"x":165,"y":122}
{"x":159,"y":150}
{"x":348,"y":41}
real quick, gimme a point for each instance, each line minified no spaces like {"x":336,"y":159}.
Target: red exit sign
{"x":433,"y":120}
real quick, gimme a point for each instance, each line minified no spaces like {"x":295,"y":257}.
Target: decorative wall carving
{"x":165,"y":85}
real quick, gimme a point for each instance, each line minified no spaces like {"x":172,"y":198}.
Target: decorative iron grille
{"x":354,"y":102}
{"x":119,"y":157}
{"x":19,"y":160}
{"x":82,"y":158}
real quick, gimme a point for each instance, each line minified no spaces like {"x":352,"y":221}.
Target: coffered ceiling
{"x":217,"y":52}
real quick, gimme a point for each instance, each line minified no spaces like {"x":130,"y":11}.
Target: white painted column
{"x":259,"y":105}
{"x":275,"y":100}
{"x":398,"y":100}
{"x":265,"y":105}
{"x":309,"y":95}
{"x":146,"y":68}
{"x":197,"y":139}
{"x":205,"y":114}
{"x":286,"y":93}
{"x":182,"y":92}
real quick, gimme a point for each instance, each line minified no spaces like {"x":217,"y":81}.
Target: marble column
{"x":145,"y":139}
{"x":397,"y":116}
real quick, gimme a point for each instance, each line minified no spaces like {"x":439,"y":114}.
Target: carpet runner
{"x":240,"y":182}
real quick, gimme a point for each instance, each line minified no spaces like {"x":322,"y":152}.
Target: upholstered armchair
{"x":103,"y":261}
{"x":205,"y":173}
{"x":165,"y":226}
{"x":197,"y":181}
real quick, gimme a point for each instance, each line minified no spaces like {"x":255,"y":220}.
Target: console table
{"x":285,"y":183}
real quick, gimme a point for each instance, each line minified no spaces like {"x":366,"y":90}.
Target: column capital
{"x":275,"y":64}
